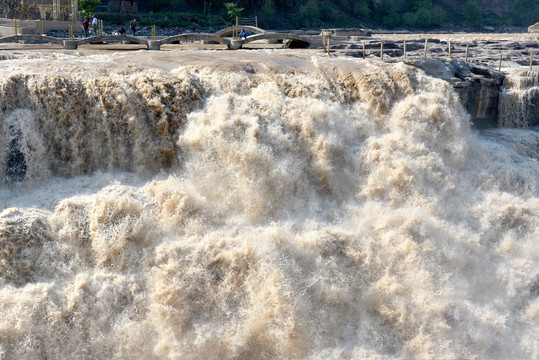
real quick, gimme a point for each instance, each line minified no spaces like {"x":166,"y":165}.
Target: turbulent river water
{"x":191,"y":205}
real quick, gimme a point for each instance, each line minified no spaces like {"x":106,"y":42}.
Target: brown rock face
{"x":496,"y":7}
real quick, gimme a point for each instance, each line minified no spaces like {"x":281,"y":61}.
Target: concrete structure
{"x":231,"y":43}
{"x":295,"y":41}
{"x":230,"y":30}
{"x":193,"y":37}
{"x":534,"y":28}
{"x":34,"y":38}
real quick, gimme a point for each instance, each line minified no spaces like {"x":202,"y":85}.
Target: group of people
{"x":133,"y":25}
{"x":94,"y":26}
{"x":86,"y":26}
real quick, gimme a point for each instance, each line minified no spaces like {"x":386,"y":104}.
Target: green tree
{"x":419,"y":4}
{"x":268,"y":8}
{"x":437,"y":16}
{"x":87,"y":7}
{"x":423,"y":17}
{"x":386,"y":13}
{"x":525,"y":13}
{"x":361,"y":8}
{"x":310,"y":12}
{"x":409,"y":19}
{"x":232,"y":10}
{"x":473,"y":13}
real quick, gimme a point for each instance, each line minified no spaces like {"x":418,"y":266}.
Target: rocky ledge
{"x":491,"y":97}
{"x":479,"y":87}
{"x":495,"y":93}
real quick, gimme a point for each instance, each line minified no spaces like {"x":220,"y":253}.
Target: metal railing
{"x":247,"y":21}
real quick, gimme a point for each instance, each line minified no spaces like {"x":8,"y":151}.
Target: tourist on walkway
{"x":133,"y":25}
{"x":85,"y":25}
{"x":94,"y":25}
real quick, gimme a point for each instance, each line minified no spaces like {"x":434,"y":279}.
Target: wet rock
{"x":478,"y":86}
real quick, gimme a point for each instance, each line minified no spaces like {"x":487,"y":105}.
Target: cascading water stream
{"x":519,"y":102}
{"x":268,"y":208}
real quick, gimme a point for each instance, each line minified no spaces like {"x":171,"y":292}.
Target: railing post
{"x":466,"y":59}
{"x":381,"y":51}
{"x":404,"y":49}
{"x":425,"y":51}
{"x":15,"y":27}
{"x":363,"y":49}
{"x":256,"y":21}
{"x":20,"y":26}
{"x":329,"y":47}
{"x":324,"y":40}
{"x":450,"y":49}
{"x":99,"y":28}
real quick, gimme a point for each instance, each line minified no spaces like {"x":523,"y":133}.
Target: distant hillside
{"x":409,"y":14}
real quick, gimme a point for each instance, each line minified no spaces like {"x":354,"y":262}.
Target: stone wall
{"x":122,"y":6}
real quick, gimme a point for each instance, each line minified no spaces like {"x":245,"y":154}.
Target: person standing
{"x":85,"y":26}
{"x":94,"y":25}
{"x":133,"y":25}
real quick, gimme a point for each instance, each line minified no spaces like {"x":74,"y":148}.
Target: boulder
{"x":534,"y":28}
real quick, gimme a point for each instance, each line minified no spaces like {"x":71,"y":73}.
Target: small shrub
{"x":423,"y":18}
{"x":437,"y":16}
{"x":386,"y":13}
{"x":409,"y":19}
{"x":310,"y":12}
{"x":361,"y":8}
{"x":232,"y":10}
{"x":473,"y":13}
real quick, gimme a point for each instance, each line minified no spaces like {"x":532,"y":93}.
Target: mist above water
{"x":296,"y":208}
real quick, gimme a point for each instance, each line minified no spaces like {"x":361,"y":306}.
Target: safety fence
{"x":451,"y":50}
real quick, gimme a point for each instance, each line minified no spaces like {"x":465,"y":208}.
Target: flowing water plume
{"x":341,"y":210}
{"x":519,"y":101}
